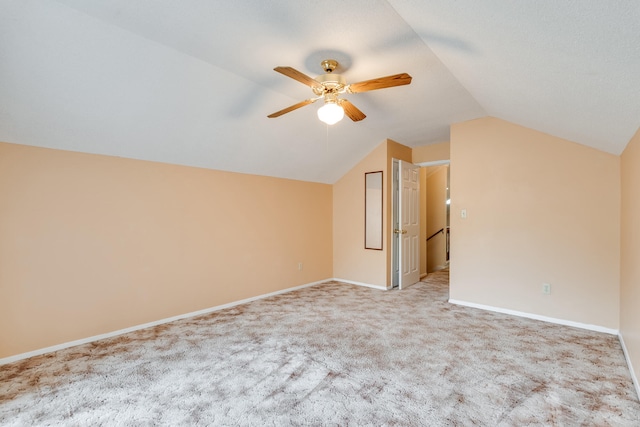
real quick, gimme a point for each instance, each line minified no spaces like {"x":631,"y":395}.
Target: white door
{"x":409,"y":230}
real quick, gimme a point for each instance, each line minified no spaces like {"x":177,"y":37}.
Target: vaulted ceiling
{"x":191,"y":82}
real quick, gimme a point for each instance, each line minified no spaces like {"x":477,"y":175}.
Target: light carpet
{"x":332,"y":354}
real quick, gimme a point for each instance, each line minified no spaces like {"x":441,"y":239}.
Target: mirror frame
{"x":373,"y":210}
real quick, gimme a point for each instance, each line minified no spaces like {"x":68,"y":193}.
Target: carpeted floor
{"x":332,"y":354}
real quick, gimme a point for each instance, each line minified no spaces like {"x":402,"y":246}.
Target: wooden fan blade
{"x":297,"y":75}
{"x":293,"y":107}
{"x":352,"y":111}
{"x":380,"y":83}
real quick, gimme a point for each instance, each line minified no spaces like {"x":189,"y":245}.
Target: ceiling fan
{"x":330,"y":86}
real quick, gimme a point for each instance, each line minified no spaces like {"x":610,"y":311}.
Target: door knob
{"x":400,"y":231}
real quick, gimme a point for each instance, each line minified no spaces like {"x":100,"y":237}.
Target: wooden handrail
{"x":434,"y":234}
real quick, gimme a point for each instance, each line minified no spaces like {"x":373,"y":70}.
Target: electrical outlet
{"x":546,"y":288}
{"x":300,"y":266}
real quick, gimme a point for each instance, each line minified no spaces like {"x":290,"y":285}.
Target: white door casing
{"x":409,"y":230}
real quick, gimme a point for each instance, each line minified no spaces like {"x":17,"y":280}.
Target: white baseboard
{"x":367,"y":285}
{"x":595,"y":328}
{"x":62,"y":346}
{"x":634,"y":378}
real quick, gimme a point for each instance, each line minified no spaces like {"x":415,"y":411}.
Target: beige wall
{"x":630,"y":251}
{"x":351,"y":261}
{"x":431,"y":153}
{"x":540,"y":209}
{"x":84,"y":236}
{"x":92,"y":244}
{"x":436,"y":216}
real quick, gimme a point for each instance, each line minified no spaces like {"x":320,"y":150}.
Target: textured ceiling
{"x":191,"y":82}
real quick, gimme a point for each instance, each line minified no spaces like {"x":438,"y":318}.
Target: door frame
{"x":395,"y":238}
{"x":447,"y":232}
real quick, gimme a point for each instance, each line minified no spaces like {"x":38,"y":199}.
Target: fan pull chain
{"x":327,"y":141}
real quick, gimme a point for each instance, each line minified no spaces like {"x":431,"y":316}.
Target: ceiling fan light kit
{"x":330,"y":113}
{"x":329,"y":86}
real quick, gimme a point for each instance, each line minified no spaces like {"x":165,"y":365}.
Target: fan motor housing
{"x":330,"y":82}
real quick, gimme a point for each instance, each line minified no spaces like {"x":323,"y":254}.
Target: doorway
{"x":435,"y":222}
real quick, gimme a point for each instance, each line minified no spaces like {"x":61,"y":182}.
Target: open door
{"x":407,"y":224}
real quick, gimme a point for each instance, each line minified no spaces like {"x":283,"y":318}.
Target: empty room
{"x":387,"y":212}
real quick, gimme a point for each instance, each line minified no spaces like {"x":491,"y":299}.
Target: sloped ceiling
{"x":191,"y":82}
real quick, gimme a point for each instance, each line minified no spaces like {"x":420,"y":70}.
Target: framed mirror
{"x":373,"y":210}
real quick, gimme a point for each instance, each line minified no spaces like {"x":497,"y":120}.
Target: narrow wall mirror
{"x":373,"y":210}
